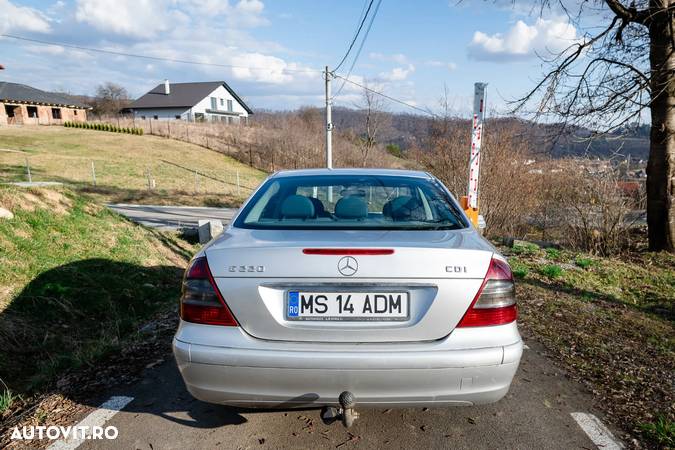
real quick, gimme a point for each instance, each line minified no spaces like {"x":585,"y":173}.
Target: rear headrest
{"x":318,"y":206}
{"x":351,"y":208}
{"x":297,"y":207}
{"x":404,"y":208}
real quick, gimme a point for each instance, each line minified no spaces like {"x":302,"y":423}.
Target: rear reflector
{"x":201,"y":301}
{"x":495,"y":302}
{"x":348,"y":251}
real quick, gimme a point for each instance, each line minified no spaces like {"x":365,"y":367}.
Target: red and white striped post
{"x":470,"y":202}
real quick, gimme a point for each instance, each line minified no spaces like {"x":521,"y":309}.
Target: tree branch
{"x":627,"y":14}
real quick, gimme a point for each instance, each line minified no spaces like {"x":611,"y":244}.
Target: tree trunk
{"x":661,"y":164}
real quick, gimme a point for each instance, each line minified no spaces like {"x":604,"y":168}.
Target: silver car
{"x":366,"y":283}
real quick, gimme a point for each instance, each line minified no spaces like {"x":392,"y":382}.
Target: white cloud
{"x":147,"y":18}
{"x":248,"y":13}
{"x":135,"y":18}
{"x":451,"y":66}
{"x":397,"y":73}
{"x":398,"y":58}
{"x":522,"y":41}
{"x":45,"y":49}
{"x":14,"y":17}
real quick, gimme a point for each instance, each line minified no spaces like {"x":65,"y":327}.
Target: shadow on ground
{"x":73,"y":315}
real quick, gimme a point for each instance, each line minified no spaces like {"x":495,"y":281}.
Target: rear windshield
{"x":351,"y":202}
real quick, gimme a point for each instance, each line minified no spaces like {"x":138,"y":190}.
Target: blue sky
{"x":414,"y":49}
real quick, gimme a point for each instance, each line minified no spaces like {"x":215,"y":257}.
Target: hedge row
{"x":103,"y":127}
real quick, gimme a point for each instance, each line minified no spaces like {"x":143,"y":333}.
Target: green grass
{"x":519,"y":270}
{"x":526,"y":248}
{"x":662,"y":432}
{"x":551,"y":271}
{"x":582,"y":262}
{"x":611,"y":323}
{"x":7,"y":400}
{"x":553,"y":253}
{"x":645,"y":281}
{"x":122,"y":163}
{"x":77,"y":281}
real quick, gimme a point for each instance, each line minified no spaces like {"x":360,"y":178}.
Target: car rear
{"x":294,"y":314}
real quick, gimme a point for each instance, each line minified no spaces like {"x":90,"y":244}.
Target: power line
{"x":363,"y":41}
{"x":153,"y":58}
{"x":388,"y":97}
{"x":356,"y":35}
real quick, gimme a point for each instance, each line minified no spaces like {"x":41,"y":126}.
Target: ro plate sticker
{"x":293,"y":304}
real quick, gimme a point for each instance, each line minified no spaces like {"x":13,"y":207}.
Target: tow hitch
{"x":346,"y":413}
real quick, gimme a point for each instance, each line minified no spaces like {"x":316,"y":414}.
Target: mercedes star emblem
{"x":348,"y":266}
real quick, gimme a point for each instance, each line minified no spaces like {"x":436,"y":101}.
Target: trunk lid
{"x":440,"y":270}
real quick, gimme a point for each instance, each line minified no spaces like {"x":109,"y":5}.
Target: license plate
{"x":362,"y":306}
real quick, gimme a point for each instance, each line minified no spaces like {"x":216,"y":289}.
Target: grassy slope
{"x":611,"y":321}
{"x":121,"y":161}
{"x":76,"y":282}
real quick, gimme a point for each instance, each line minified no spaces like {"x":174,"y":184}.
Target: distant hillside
{"x":409,"y":131}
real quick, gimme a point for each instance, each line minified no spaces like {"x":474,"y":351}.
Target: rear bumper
{"x":256,"y":373}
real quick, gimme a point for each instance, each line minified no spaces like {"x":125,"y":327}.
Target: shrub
{"x":551,"y":271}
{"x":140,"y":131}
{"x":582,"y":262}
{"x":597,"y":214}
{"x":394,"y":150}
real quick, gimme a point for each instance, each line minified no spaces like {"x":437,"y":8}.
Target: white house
{"x":203,"y":101}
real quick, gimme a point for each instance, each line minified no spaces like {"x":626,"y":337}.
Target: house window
{"x":177,"y":116}
{"x":32,"y":111}
{"x":9,"y":110}
{"x":222,"y":102}
{"x":56,"y":113}
{"x":229,"y":120}
{"x":229,"y":105}
{"x":142,"y":117}
{"x":199,"y":117}
{"x":214,"y":103}
{"x":155,"y":117}
{"x":74,"y":112}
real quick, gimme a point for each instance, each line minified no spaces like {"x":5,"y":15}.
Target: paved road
{"x":171,"y":217}
{"x":535,"y":414}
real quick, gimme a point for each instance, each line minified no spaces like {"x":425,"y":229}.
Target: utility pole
{"x":329,"y":123}
{"x":470,"y":201}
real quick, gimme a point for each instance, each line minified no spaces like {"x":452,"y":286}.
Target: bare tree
{"x":375,"y":118}
{"x":110,"y":99}
{"x":613,"y":75}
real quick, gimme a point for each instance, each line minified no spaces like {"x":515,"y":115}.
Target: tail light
{"x":495,"y":303}
{"x":201,"y":301}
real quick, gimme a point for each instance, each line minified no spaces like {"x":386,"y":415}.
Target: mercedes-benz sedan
{"x":367,"y":281}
